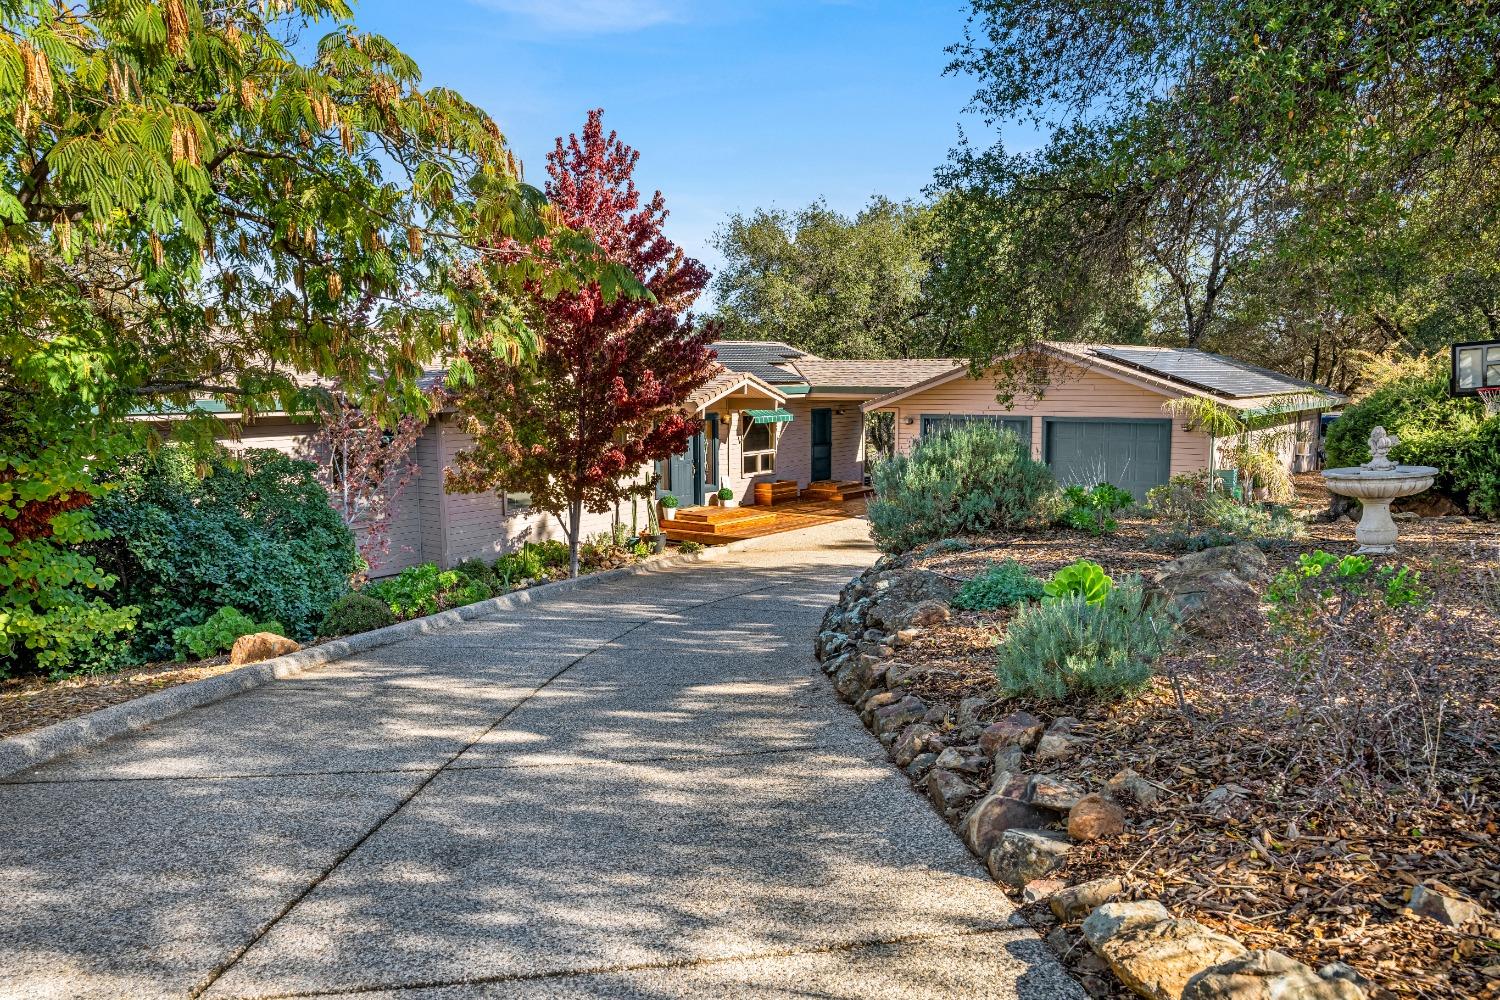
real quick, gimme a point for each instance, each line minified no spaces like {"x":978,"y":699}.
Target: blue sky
{"x":733,"y":104}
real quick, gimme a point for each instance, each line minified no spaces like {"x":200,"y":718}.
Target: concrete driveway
{"x":640,"y":789}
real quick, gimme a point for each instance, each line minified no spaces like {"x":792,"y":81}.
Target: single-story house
{"x":1098,"y":414}
{"x":774,"y":414}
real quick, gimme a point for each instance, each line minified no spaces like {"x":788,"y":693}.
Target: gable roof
{"x":724,"y":382}
{"x":799,"y":372}
{"x":1171,"y":371}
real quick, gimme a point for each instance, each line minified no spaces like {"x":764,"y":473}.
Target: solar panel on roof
{"x":758,"y":358}
{"x":1214,"y":372}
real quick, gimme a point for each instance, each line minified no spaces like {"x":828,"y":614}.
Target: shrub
{"x":967,"y":480}
{"x":217,"y":634}
{"x":477,"y":569}
{"x":1435,"y":429}
{"x":999,"y":586}
{"x":426,"y":590}
{"x":552,"y":553}
{"x":669,"y":501}
{"x":1083,"y":579}
{"x":513,"y":567}
{"x":1069,"y":648}
{"x":1194,"y":512}
{"x":689,"y":547}
{"x":725,"y":493}
{"x":255,"y":533}
{"x":356,"y":613}
{"x":1093,"y":510}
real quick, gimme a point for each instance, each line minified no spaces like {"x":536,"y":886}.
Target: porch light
{"x":908,"y":421}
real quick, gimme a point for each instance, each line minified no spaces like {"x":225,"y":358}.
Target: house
{"x":1097,"y":413}
{"x":791,"y":423}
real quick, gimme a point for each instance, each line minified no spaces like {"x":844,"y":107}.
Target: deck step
{"x":839,"y":491}
{"x":716,"y":520}
{"x":780,"y":491}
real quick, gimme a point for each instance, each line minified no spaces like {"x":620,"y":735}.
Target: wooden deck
{"x":718,"y":525}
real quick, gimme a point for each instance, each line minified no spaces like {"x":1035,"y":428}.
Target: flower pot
{"x":658,"y":544}
{"x":729,"y":503}
{"x":669,"y":513}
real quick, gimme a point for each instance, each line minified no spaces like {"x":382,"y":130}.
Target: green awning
{"x":770,"y":416}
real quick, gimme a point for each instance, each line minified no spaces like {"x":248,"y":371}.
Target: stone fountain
{"x":1375,"y":484}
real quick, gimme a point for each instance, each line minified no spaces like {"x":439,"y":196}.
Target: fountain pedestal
{"x":1375,"y":484}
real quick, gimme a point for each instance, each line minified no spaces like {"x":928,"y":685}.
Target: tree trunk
{"x":575,"y":520}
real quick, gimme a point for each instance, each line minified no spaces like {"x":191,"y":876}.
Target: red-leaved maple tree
{"x":606,"y":391}
{"x":364,"y":465}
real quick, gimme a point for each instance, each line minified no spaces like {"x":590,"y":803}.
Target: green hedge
{"x":256,"y":534}
{"x":1435,"y":429}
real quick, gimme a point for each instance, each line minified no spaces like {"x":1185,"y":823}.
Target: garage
{"x":1134,"y":455}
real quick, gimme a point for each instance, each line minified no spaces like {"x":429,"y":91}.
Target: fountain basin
{"x":1375,"y":489}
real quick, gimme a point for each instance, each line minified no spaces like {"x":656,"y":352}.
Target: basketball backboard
{"x":1476,"y":366}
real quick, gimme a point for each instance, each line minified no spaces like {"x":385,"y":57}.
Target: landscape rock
{"x":1024,"y":855}
{"x":1154,"y":956}
{"x":923,"y":615}
{"x":1340,"y":970}
{"x":1039,"y":890}
{"x":969,"y":709}
{"x":1267,"y":975}
{"x":1051,"y":792}
{"x":1058,"y":742}
{"x":847,"y":683}
{"x":956,"y":760}
{"x":893,"y":717}
{"x":914,"y":740}
{"x":260,"y":646}
{"x":1095,"y":817}
{"x":1451,"y":910}
{"x":920,"y":765}
{"x":946,"y":789}
{"x":1077,"y":901}
{"x":1018,"y":729}
{"x":1008,"y":759}
{"x":1004,"y":808}
{"x":1128,"y":784}
{"x":1208,"y":590}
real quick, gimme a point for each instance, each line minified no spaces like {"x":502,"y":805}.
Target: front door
{"x":822,"y":445}
{"x":682,"y":474}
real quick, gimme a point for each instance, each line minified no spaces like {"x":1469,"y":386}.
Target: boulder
{"x":1128,"y":784}
{"x":1267,"y":975}
{"x":1018,"y":729}
{"x":969,"y":709}
{"x":847,"y":683}
{"x":260,"y":646}
{"x":920,"y":765}
{"x":1451,"y":910}
{"x":1004,"y":808}
{"x":1024,"y":855}
{"x":1040,"y":890}
{"x":1051,"y":792}
{"x":1207,"y":591}
{"x":1058,"y":742}
{"x":1155,"y":955}
{"x":915,"y":740}
{"x":1077,"y":901}
{"x":893,"y":717}
{"x":1008,"y":759}
{"x":946,"y":789}
{"x":957,"y":761}
{"x":1095,"y":817}
{"x":923,"y":615}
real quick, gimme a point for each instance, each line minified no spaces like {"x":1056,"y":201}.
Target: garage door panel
{"x":1134,"y":455}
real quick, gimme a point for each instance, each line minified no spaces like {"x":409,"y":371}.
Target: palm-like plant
{"x":1258,"y":436}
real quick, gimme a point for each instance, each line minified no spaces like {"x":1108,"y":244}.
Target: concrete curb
{"x":18,"y":753}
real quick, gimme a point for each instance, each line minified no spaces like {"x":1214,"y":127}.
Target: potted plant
{"x":669,"y":505}
{"x":726,"y":497}
{"x":653,"y":535}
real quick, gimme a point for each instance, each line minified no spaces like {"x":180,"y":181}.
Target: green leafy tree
{"x":1219,"y":170}
{"x":833,"y":285}
{"x":196,"y":203}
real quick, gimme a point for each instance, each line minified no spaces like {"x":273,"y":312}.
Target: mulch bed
{"x":1316,"y":869}
{"x":34,"y":702}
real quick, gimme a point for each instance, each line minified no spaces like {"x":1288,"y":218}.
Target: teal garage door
{"x":1134,"y":455}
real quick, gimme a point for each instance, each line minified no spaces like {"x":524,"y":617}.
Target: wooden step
{"x":837,"y":491}
{"x":779,"y":491}
{"x":716,"y":520}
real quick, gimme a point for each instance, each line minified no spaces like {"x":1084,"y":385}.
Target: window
{"x":516,"y":501}
{"x":759,"y":448}
{"x":1478,"y":366}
